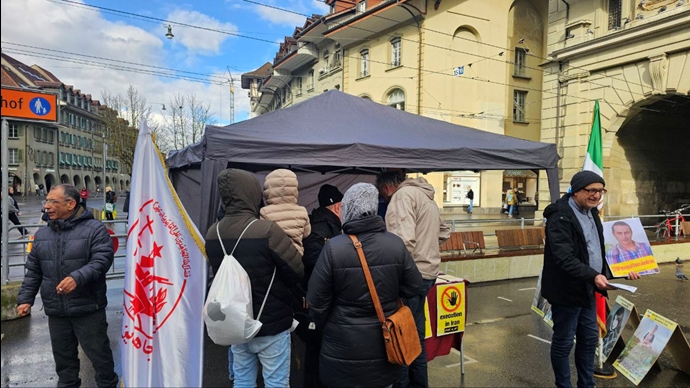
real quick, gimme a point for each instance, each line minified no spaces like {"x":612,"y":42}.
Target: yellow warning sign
{"x":450,"y":301}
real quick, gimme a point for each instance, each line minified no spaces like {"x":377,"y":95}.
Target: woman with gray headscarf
{"x":352,"y":349}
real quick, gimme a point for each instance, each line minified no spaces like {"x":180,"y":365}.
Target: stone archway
{"x":50,"y":181}
{"x":64,"y":179}
{"x":77,"y":182}
{"x":649,"y":160}
{"x":87,"y":183}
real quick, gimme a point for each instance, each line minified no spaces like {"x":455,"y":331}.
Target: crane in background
{"x":232,"y":96}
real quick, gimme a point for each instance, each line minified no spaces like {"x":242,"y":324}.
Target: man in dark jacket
{"x":574,"y":269}
{"x":353,"y":353}
{"x":272,"y":263}
{"x":68,"y":262}
{"x":325,"y":224}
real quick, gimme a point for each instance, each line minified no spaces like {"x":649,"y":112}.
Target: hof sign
{"x":450,"y":300}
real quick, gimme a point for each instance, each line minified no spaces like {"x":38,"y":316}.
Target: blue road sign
{"x":39,"y":106}
{"x":459,"y":71}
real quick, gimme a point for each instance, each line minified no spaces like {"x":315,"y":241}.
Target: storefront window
{"x":524,"y":181}
{"x":456,"y":187}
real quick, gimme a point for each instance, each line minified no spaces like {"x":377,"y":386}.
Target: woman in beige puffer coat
{"x":280,"y":192}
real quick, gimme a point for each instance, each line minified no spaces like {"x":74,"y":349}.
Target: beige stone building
{"x":634,"y":57}
{"x":68,"y":151}
{"x":474,"y":63}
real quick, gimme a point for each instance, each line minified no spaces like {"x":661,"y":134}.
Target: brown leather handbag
{"x":399,"y":330}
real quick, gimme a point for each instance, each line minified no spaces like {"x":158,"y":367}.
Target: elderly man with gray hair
{"x":353,"y":353}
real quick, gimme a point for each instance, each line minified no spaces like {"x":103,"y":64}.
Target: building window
{"x":326,"y":57}
{"x":615,"y":11}
{"x":311,"y":79}
{"x":520,"y":62}
{"x":361,"y":6}
{"x":337,"y":56}
{"x":395,"y":53}
{"x":519,"y":97}
{"x":396,"y":99}
{"x":14,"y":131}
{"x":364,"y":63}
{"x":299,"y":85}
{"x":13,"y":155}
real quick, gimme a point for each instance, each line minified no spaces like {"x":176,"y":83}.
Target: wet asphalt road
{"x":500,"y":345}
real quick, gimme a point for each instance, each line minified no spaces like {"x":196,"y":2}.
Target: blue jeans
{"x":569,"y":323}
{"x":274,"y":354}
{"x":471,"y":207}
{"x":416,"y":374}
{"x":231,"y":374}
{"x":510,"y":209}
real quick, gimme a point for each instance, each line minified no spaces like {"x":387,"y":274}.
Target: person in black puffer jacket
{"x":352,"y":351}
{"x":68,"y":262}
{"x":263,"y":250}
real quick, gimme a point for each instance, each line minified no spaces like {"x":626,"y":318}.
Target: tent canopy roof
{"x":338,"y":132}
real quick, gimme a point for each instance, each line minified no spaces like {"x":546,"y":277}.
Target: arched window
{"x":396,"y":99}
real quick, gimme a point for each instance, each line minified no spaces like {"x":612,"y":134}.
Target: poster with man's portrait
{"x":628,"y":249}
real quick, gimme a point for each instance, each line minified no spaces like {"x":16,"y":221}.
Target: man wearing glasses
{"x":68,"y":262}
{"x":574,"y":269}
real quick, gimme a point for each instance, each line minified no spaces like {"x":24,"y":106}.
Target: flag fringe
{"x":188,"y":223}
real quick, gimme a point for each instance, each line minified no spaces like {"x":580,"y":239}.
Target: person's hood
{"x":80,"y":214}
{"x":281,"y":187}
{"x":561,"y":204}
{"x":421,"y":183}
{"x":239,"y":191}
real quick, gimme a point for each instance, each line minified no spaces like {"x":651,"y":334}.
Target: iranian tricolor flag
{"x":165,"y":280}
{"x":594,"y":161}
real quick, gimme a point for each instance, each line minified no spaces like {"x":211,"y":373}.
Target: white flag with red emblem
{"x":165,"y":280}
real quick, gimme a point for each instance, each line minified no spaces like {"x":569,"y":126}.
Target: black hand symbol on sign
{"x":453,"y":298}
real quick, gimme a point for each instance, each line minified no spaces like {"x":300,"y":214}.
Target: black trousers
{"x":15,"y":220}
{"x":91,"y":332}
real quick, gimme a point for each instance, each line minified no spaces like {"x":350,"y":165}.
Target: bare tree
{"x":184,"y":123}
{"x":122,"y":122}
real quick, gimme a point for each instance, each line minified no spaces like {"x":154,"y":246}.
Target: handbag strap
{"x":220,"y":240}
{"x":370,"y":281}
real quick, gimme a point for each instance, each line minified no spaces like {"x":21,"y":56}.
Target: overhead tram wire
{"x":143,"y":17}
{"x":110,"y":66}
{"x":159,"y":20}
{"x":69,"y":2}
{"x":441,"y":47}
{"x":114,"y":60}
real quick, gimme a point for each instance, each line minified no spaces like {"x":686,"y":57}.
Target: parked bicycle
{"x":673,"y":224}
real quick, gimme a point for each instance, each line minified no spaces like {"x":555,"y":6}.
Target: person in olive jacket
{"x":68,"y":262}
{"x":272,"y":262}
{"x":352,"y":351}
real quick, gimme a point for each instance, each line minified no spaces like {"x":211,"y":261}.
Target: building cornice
{"x":617,"y":39}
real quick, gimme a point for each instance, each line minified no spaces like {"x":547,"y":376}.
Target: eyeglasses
{"x":54,"y":201}
{"x":595,"y":191}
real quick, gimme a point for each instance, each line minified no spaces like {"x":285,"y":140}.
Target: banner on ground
{"x":645,"y":346}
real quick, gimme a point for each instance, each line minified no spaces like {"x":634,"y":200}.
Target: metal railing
{"x":18,"y":252}
{"x":117,"y":270}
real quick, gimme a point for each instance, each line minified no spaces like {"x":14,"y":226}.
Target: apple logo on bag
{"x":213,"y":311}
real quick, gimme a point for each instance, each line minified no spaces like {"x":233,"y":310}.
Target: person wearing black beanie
{"x":574,"y":270}
{"x":325,"y":224}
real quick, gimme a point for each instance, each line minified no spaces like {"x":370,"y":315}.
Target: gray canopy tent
{"x":337,"y":136}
